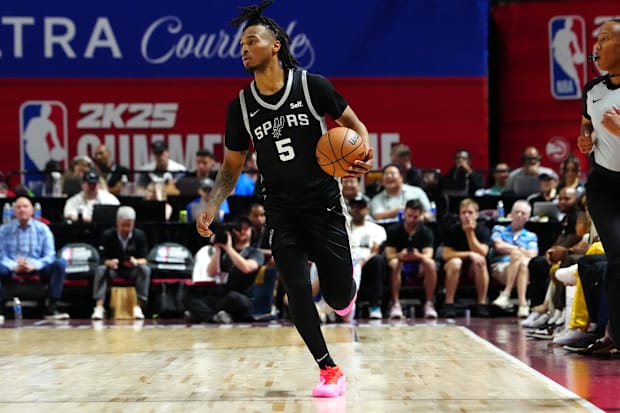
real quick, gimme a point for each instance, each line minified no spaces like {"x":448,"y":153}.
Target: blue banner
{"x":176,"y":39}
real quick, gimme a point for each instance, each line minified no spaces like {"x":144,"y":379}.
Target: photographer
{"x":237,"y":263}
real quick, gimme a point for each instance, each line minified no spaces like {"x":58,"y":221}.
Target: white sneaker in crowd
{"x":375,"y":312}
{"x":502,"y":301}
{"x":555,"y":316}
{"x":98,"y":313}
{"x":568,"y":336}
{"x":429,"y":310}
{"x":137,"y":313}
{"x":535,"y":320}
{"x":523,"y":311}
{"x":396,"y":310}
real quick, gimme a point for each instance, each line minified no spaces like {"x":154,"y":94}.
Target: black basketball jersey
{"x":284,"y":134}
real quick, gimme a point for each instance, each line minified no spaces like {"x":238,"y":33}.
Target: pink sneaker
{"x":331,"y":383}
{"x":348,"y":308}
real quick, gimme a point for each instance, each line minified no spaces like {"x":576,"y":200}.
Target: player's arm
{"x":237,"y":143}
{"x":327,"y":100}
{"x":350,"y":120}
{"x":225,"y":182}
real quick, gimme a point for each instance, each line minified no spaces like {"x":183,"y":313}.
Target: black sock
{"x":326,"y":361}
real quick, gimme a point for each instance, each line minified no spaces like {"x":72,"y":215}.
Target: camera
{"x":223,"y":232}
{"x":221,"y":236}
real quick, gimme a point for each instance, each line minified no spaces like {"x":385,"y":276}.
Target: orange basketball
{"x":337,"y":149}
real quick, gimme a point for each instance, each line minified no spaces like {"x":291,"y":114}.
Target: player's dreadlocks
{"x":253,"y":15}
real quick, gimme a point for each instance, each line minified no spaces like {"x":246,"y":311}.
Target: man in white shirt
{"x":80,"y":206}
{"x":386,"y":205}
{"x":366,"y":241}
{"x":162,"y":170}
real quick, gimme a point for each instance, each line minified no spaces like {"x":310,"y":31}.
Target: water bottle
{"x":500,"y":210}
{"x":124,"y":186}
{"x":183,"y":216}
{"x":433,"y":211}
{"x":17,"y":308}
{"x":37,"y":211}
{"x":7,"y":213}
{"x":56,"y":188}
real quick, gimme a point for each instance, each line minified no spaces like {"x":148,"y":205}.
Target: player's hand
{"x":204,"y":220}
{"x":585,"y":142}
{"x":361,"y":167}
{"x":611,"y":120}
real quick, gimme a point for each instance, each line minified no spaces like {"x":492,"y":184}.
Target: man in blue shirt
{"x":514,"y":247}
{"x":27,"y":247}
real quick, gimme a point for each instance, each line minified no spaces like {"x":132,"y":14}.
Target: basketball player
{"x":282,"y":111}
{"x":600,"y":136}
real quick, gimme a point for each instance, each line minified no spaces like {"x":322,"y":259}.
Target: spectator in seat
{"x":524,"y":181}
{"x":80,"y":206}
{"x":400,"y":155}
{"x":540,"y":266}
{"x":205,"y":168}
{"x":162,"y":169}
{"x":72,"y":178}
{"x":462,"y":178}
{"x":246,"y":184}
{"x":124,"y":250}
{"x":409,"y":252}
{"x":259,"y":219}
{"x":388,"y":203}
{"x":109,"y":170}
{"x":570,"y":172}
{"x":367,"y":240}
{"x":26,"y":248}
{"x":205,"y":164}
{"x":199,"y":203}
{"x":153,"y":192}
{"x":465,"y":251}
{"x":235,"y":260}
{"x":499,"y":177}
{"x":514,"y":247}
{"x":548,"y":189}
{"x":351,"y":188}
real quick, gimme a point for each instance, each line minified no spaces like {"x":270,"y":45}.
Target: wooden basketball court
{"x":391,"y":367}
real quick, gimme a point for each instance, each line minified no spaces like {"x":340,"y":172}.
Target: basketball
{"x":337,"y":149}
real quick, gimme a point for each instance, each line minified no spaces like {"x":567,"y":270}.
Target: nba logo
{"x":567,"y":58}
{"x":162,"y":254}
{"x":43,"y":137}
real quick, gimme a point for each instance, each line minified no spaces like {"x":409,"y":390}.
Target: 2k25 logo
{"x":567,"y":42}
{"x":43,"y":134}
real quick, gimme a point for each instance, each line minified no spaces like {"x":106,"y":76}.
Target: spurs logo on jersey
{"x":276,"y":124}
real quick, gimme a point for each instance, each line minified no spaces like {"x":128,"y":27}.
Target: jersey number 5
{"x":285,"y":150}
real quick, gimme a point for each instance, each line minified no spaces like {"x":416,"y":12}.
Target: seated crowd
{"x":414,"y":233}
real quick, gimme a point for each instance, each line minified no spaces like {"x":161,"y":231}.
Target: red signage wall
{"x":433,"y":116}
{"x":543,"y":48}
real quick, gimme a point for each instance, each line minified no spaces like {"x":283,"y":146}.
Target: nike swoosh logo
{"x":594,"y":101}
{"x":252,"y":114}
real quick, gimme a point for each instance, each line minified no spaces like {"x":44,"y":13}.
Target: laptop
{"x":105,"y":214}
{"x":526,"y":185}
{"x":188,"y":185}
{"x":548,"y":209}
{"x":147,"y":210}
